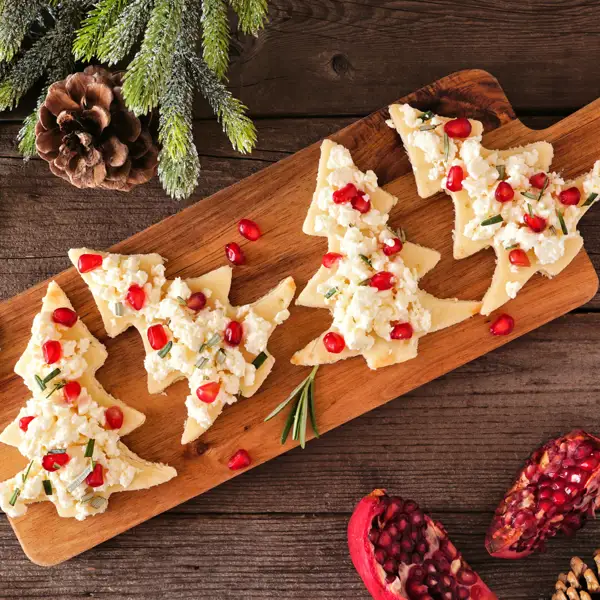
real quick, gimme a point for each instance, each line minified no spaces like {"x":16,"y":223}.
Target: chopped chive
{"x":561,"y":220}
{"x":366,"y":260}
{"x":366,"y":281}
{"x":544,"y":188}
{"x":259,"y":360}
{"x":446,"y":146}
{"x":57,"y":451}
{"x":13,"y":498}
{"x":97,"y":501}
{"x":118,"y":309}
{"x":181,"y":301}
{"x":215,"y":339}
{"x":89,"y":449}
{"x":331,"y":292}
{"x":57,"y":386}
{"x":39,"y":381}
{"x":79,"y":479}
{"x":426,"y":115}
{"x":165,"y":349}
{"x":47,"y":487}
{"x":529,"y":210}
{"x":202,"y":348}
{"x":511,"y":247}
{"x":427,"y":127}
{"x":492,"y":220}
{"x":221,"y":356}
{"x":87,"y":497}
{"x":26,"y":474}
{"x":590,"y":199}
{"x":201,"y":362}
{"x":529,"y":195}
{"x":501,"y":172}
{"x":51,"y":376}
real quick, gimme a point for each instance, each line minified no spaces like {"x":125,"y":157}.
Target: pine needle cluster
{"x":158,"y":41}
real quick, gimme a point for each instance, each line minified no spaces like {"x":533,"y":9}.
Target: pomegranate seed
{"x":52,"y":351}
{"x":24,"y":423}
{"x":240,"y":460}
{"x":53,"y":462}
{"x":89,"y":262}
{"x":233,"y":333}
{"x":383,"y":281}
{"x":458,"y":128}
{"x":504,"y":192}
{"x":136,"y":297}
{"x":391,"y":247}
{"x":454,"y":179}
{"x":96,"y":477}
{"x":64,"y":316}
{"x":401,"y":331}
{"x":503,"y":325}
{"x":345,"y":194}
{"x":360,"y":204}
{"x":519,"y":258}
{"x":538,"y":180}
{"x":157,"y":336}
{"x":330,"y":259}
{"x":249,"y":229}
{"x":536,"y":223}
{"x":114,"y":417}
{"x":234,"y":254}
{"x":334,"y":342}
{"x":196,"y":302}
{"x":570,"y":196}
{"x":208,"y":392}
{"x":71,"y":391}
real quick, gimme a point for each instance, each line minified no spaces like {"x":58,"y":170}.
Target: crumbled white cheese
{"x":512,"y":288}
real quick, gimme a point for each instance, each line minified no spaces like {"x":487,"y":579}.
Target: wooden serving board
{"x":277,"y":198}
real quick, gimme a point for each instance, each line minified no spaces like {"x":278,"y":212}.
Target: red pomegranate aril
{"x":240,"y":460}
{"x":330,"y":259}
{"x":208,"y":392}
{"x":504,"y":192}
{"x":249,"y":229}
{"x":503,"y":325}
{"x":570,"y":197}
{"x":234,"y":254}
{"x":360,"y":203}
{"x":24,"y":423}
{"x":71,"y":391}
{"x":89,"y":262}
{"x":53,"y":462}
{"x":64,"y":316}
{"x":538,"y":180}
{"x":114,"y":417}
{"x":136,"y":297}
{"x":96,"y":477}
{"x":383,"y":281}
{"x":519,"y":258}
{"x":458,"y":128}
{"x":157,"y":336}
{"x":536,"y":223}
{"x":455,"y":178}
{"x":385,"y":539}
{"x":196,"y":302}
{"x":52,"y":351}
{"x":334,"y":342}
{"x":345,"y":194}
{"x":392,"y":247}
{"x":401,"y":331}
{"x":234,"y":333}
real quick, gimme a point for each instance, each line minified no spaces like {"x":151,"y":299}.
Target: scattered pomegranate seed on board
{"x":240,"y":460}
{"x":503,"y":325}
{"x":249,"y":229}
{"x":234,"y":254}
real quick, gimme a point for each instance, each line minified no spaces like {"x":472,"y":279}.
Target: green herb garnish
{"x":47,"y":487}
{"x":501,"y":172}
{"x":89,"y":449}
{"x":529,"y":210}
{"x":492,"y":220}
{"x":97,"y":501}
{"x":181,"y":301}
{"x":426,"y":115}
{"x":259,"y":360}
{"x":303,"y":398}
{"x":552,"y":230}
{"x":366,"y":260}
{"x":529,"y":195}
{"x":590,"y":199}
{"x":366,"y":281}
{"x":87,"y":497}
{"x":446,"y":146}
{"x":201,"y":362}
{"x":331,"y":292}
{"x":57,"y":386}
{"x":544,"y":188}
{"x":79,"y":479}
{"x":215,"y":339}
{"x":165,"y":349}
{"x":40,"y":382}
{"x":13,"y":498}
{"x":561,"y":220}
{"x":118,"y":309}
{"x":221,"y":356}
{"x":50,"y":376}
{"x":57,"y":451}
{"x":427,"y":127}
{"x":401,"y":234}
{"x":26,"y":474}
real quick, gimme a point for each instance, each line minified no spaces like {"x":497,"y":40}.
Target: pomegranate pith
{"x":52,"y":351}
{"x":240,"y":460}
{"x":234,"y":254}
{"x":64,"y":316}
{"x":455,"y":178}
{"x":402,"y":554}
{"x":334,"y":342}
{"x":24,"y":423}
{"x":555,"y":491}
{"x":249,"y":229}
{"x":114,"y":417}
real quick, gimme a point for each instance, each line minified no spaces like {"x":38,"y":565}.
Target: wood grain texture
{"x":193,"y":242}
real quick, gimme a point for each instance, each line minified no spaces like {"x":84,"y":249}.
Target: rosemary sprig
{"x":492,"y":220}
{"x":50,"y":376}
{"x":529,"y":195}
{"x":426,"y":115}
{"x":446,"y":147}
{"x":165,"y":349}
{"x":57,"y":386}
{"x":221,"y":356}
{"x":561,"y":220}
{"x":544,"y":188}
{"x":590,"y":199}
{"x":201,"y":362}
{"x":427,"y":127}
{"x":366,"y":260}
{"x":118,"y":309}
{"x":401,"y":234}
{"x":303,"y":399}
{"x":215,"y":339}
{"x":181,"y":301}
{"x":331,"y":293}
{"x":501,"y":172}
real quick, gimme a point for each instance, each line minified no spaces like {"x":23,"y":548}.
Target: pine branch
{"x":147,"y":73}
{"x":16,"y":16}
{"x":252,"y":14}
{"x":118,"y":41}
{"x":26,"y":135}
{"x":215,"y":36}
{"x":230,"y":111}
{"x":99,"y":20}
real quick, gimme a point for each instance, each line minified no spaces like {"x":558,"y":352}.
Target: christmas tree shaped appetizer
{"x":189,"y":328}
{"x":369,"y":276}
{"x":70,"y":428}
{"x":503,"y":199}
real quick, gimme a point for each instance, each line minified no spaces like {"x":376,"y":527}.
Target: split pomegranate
{"x":52,"y":351}
{"x":334,"y":342}
{"x":330,"y":259}
{"x":519,"y":258}
{"x":196,"y":302}
{"x":54,"y":461}
{"x":401,"y":331}
{"x":157,"y":336}
{"x":458,"y":128}
{"x":233,"y":333}
{"x":383,"y":281}
{"x":136,"y":297}
{"x":114,"y":417}
{"x":71,"y":391}
{"x":455,"y":178}
{"x":64,"y":316}
{"x":555,"y":491}
{"x":96,"y":477}
{"x":392,"y":247}
{"x":402,"y":554}
{"x":89,"y":262}
{"x":208,"y":392}
{"x":360,"y":203}
{"x":24,"y":423}
{"x":234,"y":254}
{"x":345,"y":194}
{"x":240,"y":460}
{"x":570,"y":197}
{"x":504,"y":192}
{"x":503,"y":325}
{"x":535,"y":223}
{"x":538,"y":180}
{"x":249,"y":229}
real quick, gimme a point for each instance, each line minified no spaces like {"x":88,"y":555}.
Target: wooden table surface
{"x":453,"y":445}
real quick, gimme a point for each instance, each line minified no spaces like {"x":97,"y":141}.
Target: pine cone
{"x":580,"y":583}
{"x":88,"y":137}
